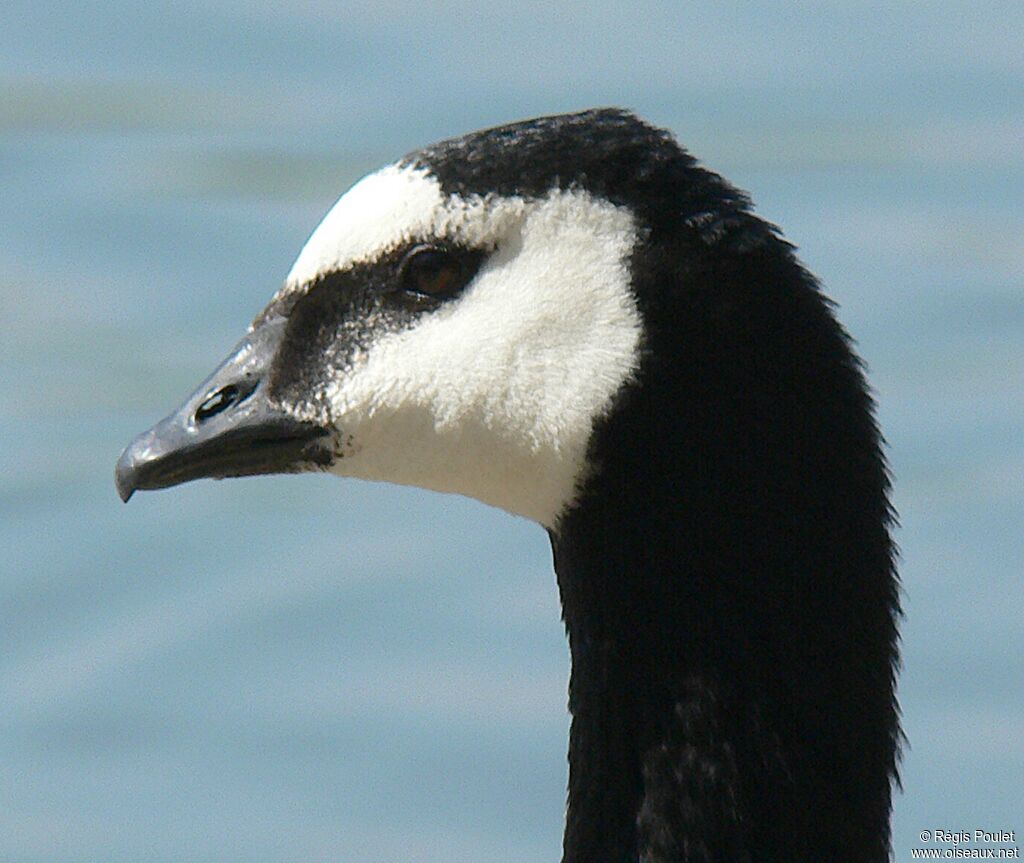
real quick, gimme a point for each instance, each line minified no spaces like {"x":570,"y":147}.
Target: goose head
{"x":570,"y":319}
{"x":461,"y":334}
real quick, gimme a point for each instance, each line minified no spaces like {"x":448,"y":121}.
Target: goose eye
{"x":432,"y":272}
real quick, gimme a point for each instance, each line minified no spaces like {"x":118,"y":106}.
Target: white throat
{"x":495,"y":394}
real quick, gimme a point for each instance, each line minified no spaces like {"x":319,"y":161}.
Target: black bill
{"x":227,"y":427}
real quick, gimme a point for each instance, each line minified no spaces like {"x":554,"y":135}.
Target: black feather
{"x":727,"y":574}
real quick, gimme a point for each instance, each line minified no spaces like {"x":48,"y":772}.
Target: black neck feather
{"x":727,"y":578}
{"x":726,"y":574}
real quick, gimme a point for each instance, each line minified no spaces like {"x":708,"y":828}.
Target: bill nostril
{"x":221,"y":400}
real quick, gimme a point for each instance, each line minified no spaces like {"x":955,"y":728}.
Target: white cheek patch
{"x":390,"y":208}
{"x":495,"y":394}
{"x":377,"y":213}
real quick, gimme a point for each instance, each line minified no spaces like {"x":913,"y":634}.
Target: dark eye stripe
{"x":342,"y":312}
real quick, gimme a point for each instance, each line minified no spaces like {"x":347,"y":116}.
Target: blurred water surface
{"x":304,"y":669}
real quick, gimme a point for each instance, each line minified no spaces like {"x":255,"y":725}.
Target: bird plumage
{"x":600,"y":335}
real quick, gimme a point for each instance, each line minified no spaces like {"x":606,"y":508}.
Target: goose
{"x":570,"y":319}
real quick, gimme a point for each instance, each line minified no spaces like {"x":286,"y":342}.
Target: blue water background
{"x":306,"y":669}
